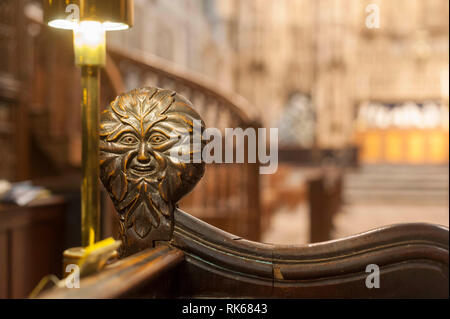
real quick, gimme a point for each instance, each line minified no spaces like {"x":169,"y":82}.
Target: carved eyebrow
{"x":121,"y":132}
{"x":152,"y":125}
{"x":159,"y":130}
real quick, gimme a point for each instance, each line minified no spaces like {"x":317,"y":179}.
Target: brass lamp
{"x":89,"y":20}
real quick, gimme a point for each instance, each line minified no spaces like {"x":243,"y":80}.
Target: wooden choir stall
{"x":168,"y":253}
{"x":192,"y":229}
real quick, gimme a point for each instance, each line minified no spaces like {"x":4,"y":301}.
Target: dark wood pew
{"x":194,"y":259}
{"x":203,"y":261}
{"x":169,"y":253}
{"x":286,"y":188}
{"x":325,"y":198}
{"x":31,"y":244}
{"x":125,"y":277}
{"x":318,"y":187}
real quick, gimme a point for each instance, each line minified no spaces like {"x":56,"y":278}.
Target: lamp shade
{"x":66,"y":14}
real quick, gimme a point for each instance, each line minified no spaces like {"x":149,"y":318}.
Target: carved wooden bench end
{"x":144,"y":136}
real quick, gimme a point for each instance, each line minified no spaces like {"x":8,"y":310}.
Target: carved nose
{"x":143,"y":156}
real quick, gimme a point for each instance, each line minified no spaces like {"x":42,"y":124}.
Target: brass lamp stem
{"x":90,"y":207}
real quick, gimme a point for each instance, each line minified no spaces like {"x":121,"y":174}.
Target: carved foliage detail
{"x":138,"y":133}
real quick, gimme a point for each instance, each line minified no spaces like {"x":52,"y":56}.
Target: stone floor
{"x":292,"y":226}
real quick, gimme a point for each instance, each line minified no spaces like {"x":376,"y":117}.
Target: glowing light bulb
{"x":89,"y":43}
{"x":63,"y":24}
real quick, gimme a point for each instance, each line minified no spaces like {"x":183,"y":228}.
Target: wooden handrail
{"x":237,"y":103}
{"x":413,"y":259}
{"x":191,"y":234}
{"x":122,"y":276}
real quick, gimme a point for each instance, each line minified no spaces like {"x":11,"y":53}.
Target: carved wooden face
{"x":139,"y":133}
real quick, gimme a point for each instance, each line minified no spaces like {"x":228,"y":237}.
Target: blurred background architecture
{"x":362,"y":112}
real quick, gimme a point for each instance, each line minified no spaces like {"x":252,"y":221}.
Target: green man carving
{"x":143,"y":135}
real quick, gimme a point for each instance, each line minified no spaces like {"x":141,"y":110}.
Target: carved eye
{"x":157,"y":138}
{"x":128,"y":139}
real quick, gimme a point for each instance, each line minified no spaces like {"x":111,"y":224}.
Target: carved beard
{"x":143,"y":201}
{"x":137,"y":136}
{"x":143,"y":204}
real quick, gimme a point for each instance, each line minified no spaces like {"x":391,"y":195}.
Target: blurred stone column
{"x":333,"y":90}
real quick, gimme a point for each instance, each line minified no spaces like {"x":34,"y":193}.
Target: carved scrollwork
{"x":140,"y":136}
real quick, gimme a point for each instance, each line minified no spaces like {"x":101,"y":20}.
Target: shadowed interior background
{"x":362,"y":115}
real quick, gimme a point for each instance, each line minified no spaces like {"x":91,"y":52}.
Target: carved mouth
{"x":142,"y":170}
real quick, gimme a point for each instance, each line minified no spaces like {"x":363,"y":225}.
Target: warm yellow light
{"x":62,"y":24}
{"x":115,"y":26}
{"x":89,"y":38}
{"x":89,"y":43}
{"x":90,"y":33}
{"x":72,"y":25}
{"x":65,"y":14}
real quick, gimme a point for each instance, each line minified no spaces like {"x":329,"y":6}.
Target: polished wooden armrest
{"x":412,"y":258}
{"x":146,"y":182}
{"x":124,"y":276}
